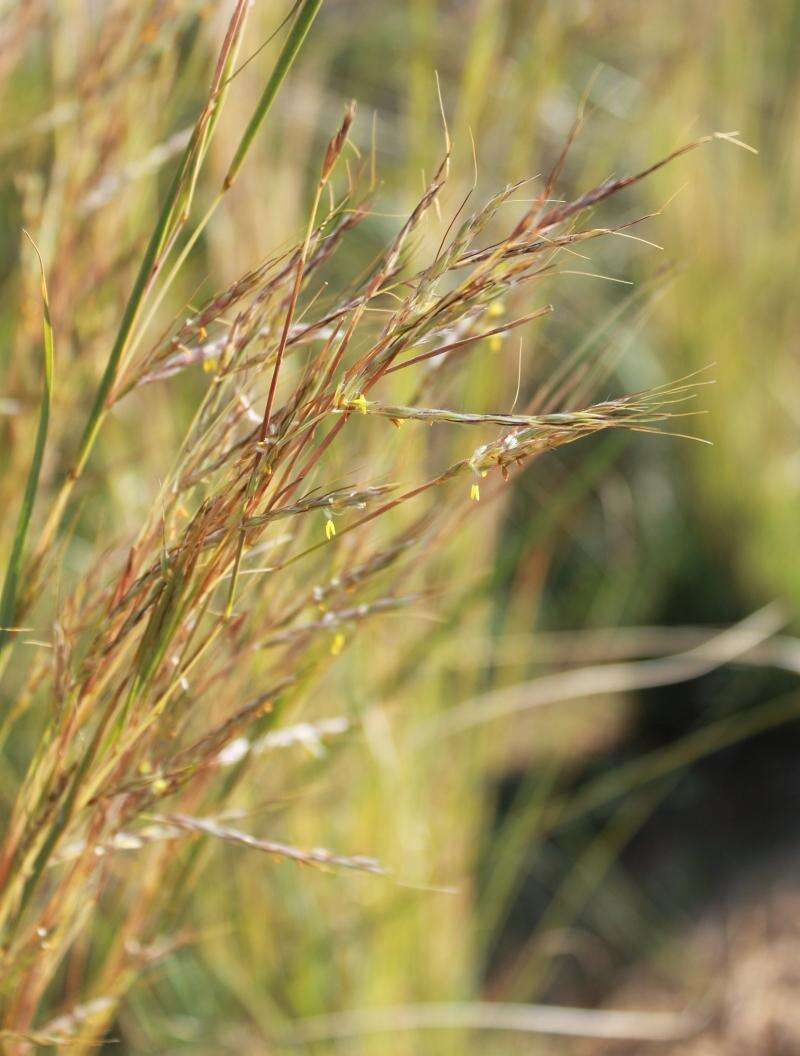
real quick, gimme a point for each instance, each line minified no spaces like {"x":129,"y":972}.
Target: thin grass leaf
{"x":8,"y":601}
{"x":305,"y":16}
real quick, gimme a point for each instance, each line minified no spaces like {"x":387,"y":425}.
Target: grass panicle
{"x":308,"y":499}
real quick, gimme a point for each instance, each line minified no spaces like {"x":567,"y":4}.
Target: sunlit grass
{"x":276,"y":495}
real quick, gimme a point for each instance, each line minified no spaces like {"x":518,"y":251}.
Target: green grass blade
{"x":305,"y":16}
{"x":8,"y":600}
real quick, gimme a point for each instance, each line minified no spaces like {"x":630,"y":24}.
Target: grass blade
{"x":305,"y":16}
{"x":8,"y":600}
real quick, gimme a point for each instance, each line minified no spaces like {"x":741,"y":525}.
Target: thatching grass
{"x":321,"y":436}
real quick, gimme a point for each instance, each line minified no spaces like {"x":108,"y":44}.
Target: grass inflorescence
{"x":271,"y":544}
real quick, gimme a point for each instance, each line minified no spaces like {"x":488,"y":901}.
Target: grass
{"x":8,"y":599}
{"x":260,"y":531}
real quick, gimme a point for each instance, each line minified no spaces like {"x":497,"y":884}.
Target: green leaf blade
{"x":8,"y":599}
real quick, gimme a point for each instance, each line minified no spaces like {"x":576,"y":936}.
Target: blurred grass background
{"x":633,"y":531}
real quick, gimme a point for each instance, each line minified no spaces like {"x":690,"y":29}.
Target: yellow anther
{"x":361,"y":402}
{"x":330,"y":529}
{"x":210,"y":365}
{"x":475,"y":493}
{"x":496,"y":309}
{"x":495,"y":343}
{"x":202,"y":333}
{"x":160,"y":785}
{"x":337,"y":644}
{"x":145,"y":767}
